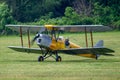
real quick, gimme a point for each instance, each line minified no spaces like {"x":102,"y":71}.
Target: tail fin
{"x":99,"y":44}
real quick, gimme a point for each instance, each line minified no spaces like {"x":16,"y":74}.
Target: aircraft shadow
{"x":75,"y":61}
{"x":91,"y":60}
{"x":69,"y":61}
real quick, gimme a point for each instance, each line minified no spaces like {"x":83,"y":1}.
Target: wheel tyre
{"x":58,"y":59}
{"x":40,"y":58}
{"x":97,"y":56}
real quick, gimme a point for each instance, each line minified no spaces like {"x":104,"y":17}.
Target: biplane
{"x":50,"y":43}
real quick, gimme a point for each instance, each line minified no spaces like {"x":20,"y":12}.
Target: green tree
{"x":103,"y":15}
{"x":117,"y":25}
{"x":32,"y":10}
{"x":71,"y":17}
{"x":5,"y":17}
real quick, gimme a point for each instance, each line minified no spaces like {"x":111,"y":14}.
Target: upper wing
{"x":81,"y":28}
{"x":32,"y":28}
{"x":77,"y":51}
{"x":25,"y":49}
{"x":71,"y":28}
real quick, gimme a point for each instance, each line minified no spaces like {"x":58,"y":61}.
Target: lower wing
{"x":85,"y":52}
{"x":88,"y":52}
{"x":25,"y":49}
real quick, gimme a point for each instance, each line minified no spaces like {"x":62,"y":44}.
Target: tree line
{"x":59,"y":12}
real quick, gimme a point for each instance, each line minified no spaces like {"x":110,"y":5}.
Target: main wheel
{"x":97,"y":56}
{"x":58,"y":59}
{"x":40,"y":58}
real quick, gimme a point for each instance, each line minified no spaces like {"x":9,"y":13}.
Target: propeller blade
{"x":34,"y":39}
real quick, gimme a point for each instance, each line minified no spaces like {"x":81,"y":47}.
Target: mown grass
{"x":22,"y":66}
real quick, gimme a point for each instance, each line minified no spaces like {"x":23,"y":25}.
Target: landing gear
{"x":48,"y":53}
{"x":58,"y":59}
{"x":40,"y":58}
{"x":97,"y":56}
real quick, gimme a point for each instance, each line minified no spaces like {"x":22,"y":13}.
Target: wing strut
{"x":86,"y":39}
{"x":91,"y":38}
{"x":21,"y":36}
{"x":28,"y":33}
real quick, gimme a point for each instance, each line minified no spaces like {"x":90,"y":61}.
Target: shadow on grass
{"x":18,"y":61}
{"x":92,"y":60}
{"x":66,"y":61}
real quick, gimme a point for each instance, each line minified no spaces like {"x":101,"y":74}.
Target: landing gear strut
{"x":48,"y":53}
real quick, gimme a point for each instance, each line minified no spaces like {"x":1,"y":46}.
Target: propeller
{"x":37,"y":35}
{"x":34,"y":39}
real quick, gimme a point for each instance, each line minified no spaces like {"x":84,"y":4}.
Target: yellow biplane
{"x":51,"y":43}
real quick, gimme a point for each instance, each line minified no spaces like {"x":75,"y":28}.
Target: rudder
{"x":99,"y":44}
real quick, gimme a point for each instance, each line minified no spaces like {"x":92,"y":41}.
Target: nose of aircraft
{"x":39,"y":40}
{"x":44,"y":40}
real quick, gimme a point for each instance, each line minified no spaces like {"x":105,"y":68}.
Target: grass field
{"x":22,"y":66}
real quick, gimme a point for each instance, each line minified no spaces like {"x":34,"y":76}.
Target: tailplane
{"x":101,"y":50}
{"x":99,"y":44}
